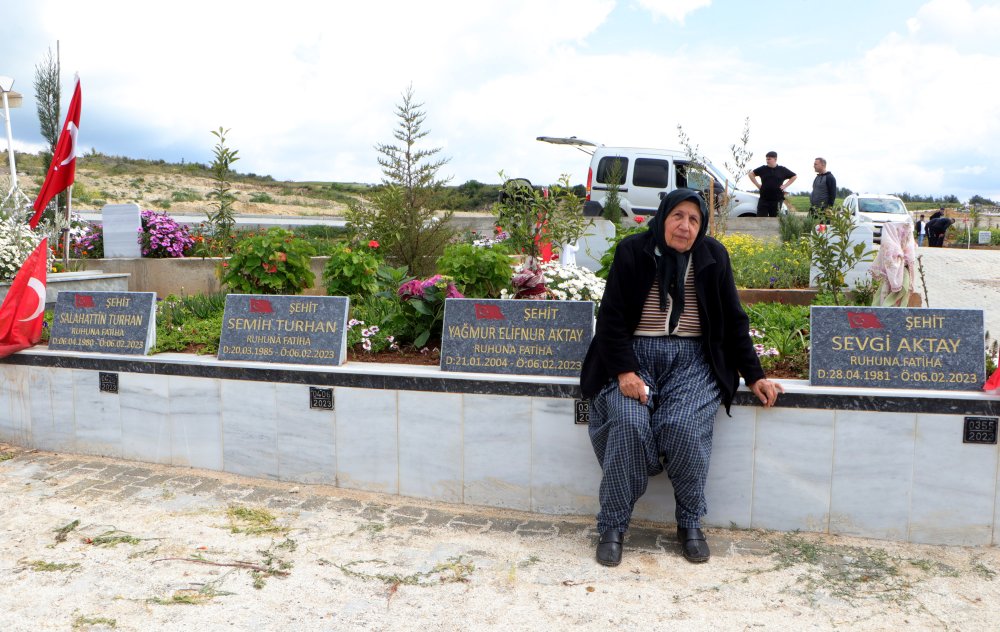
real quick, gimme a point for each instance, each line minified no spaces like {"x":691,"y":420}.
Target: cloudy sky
{"x":897,"y":95}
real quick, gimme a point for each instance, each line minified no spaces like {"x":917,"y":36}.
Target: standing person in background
{"x":921,"y":229}
{"x":771,"y":180}
{"x":824,"y":192}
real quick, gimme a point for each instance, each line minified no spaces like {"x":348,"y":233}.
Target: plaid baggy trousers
{"x":675,"y":424}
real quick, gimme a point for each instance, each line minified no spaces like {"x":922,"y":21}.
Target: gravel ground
{"x":88,"y":543}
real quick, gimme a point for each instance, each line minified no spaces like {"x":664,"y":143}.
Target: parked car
{"x":877,"y":209}
{"x":647,"y":175}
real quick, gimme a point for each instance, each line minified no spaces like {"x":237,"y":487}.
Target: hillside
{"x":185,"y":188}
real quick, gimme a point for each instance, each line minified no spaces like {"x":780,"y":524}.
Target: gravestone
{"x":862,"y":233}
{"x":121,"y":224}
{"x":104,"y":322}
{"x":292,"y":329}
{"x":520,"y":337}
{"x":985,"y":237}
{"x":594,"y":243}
{"x":896,"y":347}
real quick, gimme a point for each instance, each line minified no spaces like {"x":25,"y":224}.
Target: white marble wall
{"x":896,"y":476}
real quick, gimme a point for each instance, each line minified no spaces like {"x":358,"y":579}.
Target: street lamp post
{"x":11,"y":99}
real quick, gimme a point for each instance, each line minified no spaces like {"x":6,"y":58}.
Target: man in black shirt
{"x":772,"y":182}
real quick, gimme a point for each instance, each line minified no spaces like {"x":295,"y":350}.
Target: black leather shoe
{"x":693,"y":545}
{"x":609,"y":548}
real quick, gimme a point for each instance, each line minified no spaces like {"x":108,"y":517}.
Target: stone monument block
{"x":121,"y":223}
{"x":292,"y":329}
{"x":104,"y":322}
{"x":897,"y":347}
{"x":520,"y":337}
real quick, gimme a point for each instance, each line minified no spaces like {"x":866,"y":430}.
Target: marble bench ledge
{"x":798,"y":393}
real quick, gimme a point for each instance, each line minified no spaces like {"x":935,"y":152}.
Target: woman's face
{"x":681,"y":226}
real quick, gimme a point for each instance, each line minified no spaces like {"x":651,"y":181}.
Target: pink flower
{"x":639,"y":219}
{"x":373,"y":244}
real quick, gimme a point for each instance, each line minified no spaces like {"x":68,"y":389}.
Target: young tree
{"x":47,"y":95}
{"x":222,"y":219}
{"x":398,"y":216}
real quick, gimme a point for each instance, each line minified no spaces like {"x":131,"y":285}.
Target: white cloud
{"x":308,"y":88}
{"x":673,"y":10}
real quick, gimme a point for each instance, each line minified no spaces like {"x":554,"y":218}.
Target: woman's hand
{"x":632,"y":386}
{"x":765,"y":390}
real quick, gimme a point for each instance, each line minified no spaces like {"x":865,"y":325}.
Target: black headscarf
{"x":671,"y":266}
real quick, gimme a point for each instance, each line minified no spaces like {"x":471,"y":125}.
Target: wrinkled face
{"x":681,"y":226}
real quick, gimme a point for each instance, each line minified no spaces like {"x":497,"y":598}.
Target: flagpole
{"x":65,"y":236}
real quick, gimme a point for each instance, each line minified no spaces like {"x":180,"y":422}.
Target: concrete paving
{"x":963,"y":278}
{"x":90,"y":543}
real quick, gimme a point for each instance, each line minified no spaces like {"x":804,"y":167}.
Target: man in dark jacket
{"x":670,"y":344}
{"x":824,"y":192}
{"x":936,"y":228}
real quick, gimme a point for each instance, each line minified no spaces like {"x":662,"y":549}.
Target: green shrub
{"x":478,"y":272}
{"x":781,"y":336}
{"x":761,"y":264}
{"x":163,"y":203}
{"x":272,"y":262}
{"x":261,"y":198}
{"x":378,"y":323}
{"x":352,"y":270}
{"x":792,"y":227}
{"x":185,"y":195}
{"x":191,"y":323}
{"x":423,"y":301}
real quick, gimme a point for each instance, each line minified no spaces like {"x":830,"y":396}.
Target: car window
{"x":872,"y":205}
{"x":604,"y":168}
{"x":651,"y":173}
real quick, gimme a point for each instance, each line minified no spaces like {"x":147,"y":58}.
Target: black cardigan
{"x":724,"y":325}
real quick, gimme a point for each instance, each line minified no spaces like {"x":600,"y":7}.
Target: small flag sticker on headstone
{"x":488,"y":312}
{"x":260,"y":306}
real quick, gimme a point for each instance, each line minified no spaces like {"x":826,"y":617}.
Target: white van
{"x":648,"y":174}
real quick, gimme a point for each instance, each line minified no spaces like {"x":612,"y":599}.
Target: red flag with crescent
{"x":62,"y":171}
{"x":488,"y":312}
{"x":23,"y":311}
{"x":863,"y":320}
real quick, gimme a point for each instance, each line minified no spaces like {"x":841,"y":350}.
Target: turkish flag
{"x":22,"y":312}
{"x":488,"y":312}
{"x":63,"y":167}
{"x":993,"y":383}
{"x":260,"y":306}
{"x":862,"y":320}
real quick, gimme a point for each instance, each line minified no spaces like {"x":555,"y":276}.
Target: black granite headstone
{"x":292,"y":329}
{"x":519,"y":337}
{"x":894,"y":347}
{"x":105,"y":322}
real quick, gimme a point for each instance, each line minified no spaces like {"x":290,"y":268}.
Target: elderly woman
{"x":671,"y":339}
{"x":895,"y":266}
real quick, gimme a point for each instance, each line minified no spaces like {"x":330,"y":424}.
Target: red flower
{"x":373,"y":244}
{"x":282,"y":256}
{"x":639,"y":219}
